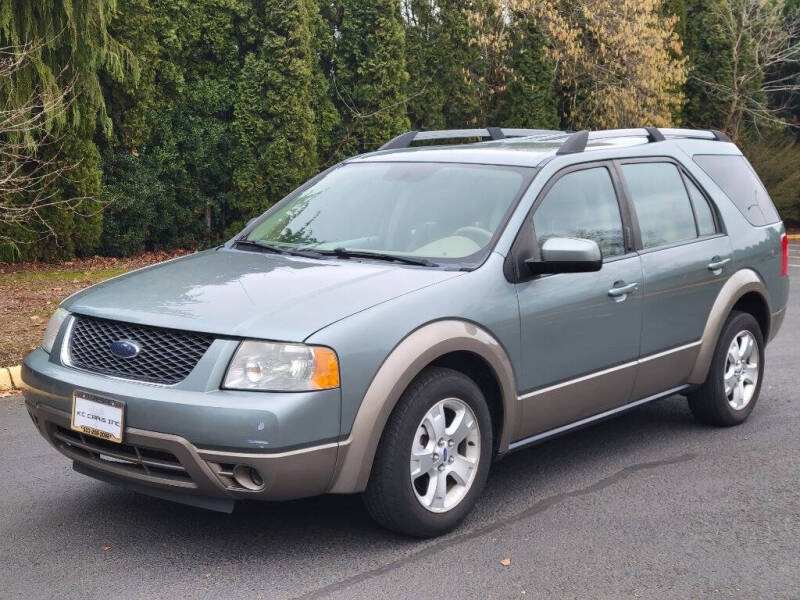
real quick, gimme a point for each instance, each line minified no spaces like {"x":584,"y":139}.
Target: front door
{"x":580,"y":331}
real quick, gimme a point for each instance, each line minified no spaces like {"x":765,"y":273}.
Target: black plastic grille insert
{"x":167,"y":356}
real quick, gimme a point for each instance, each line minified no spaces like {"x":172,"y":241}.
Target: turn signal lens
{"x":785,"y":255}
{"x":326,"y":369}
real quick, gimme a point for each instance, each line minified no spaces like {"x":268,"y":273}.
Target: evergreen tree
{"x":274,"y":120}
{"x":71,"y":45}
{"x":529,"y":99}
{"x":426,"y":98}
{"x":677,"y":8}
{"x":369,"y":74}
{"x":709,"y":47}
{"x":459,"y":66}
{"x":176,"y":124}
{"x":131,"y":103}
{"x":327,"y":120}
{"x":454,"y":50}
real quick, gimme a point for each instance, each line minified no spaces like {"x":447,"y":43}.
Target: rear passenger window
{"x":582,"y":204}
{"x":661,"y":203}
{"x":734,"y":175}
{"x":702,"y":210}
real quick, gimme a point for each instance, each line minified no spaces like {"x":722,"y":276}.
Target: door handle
{"x":716,"y":264}
{"x":621,"y":290}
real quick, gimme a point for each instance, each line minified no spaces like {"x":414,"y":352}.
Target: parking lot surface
{"x":649,"y":504}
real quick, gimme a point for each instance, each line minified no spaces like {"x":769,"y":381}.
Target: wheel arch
{"x":452,"y":343}
{"x":481,"y":372}
{"x":745,"y":291}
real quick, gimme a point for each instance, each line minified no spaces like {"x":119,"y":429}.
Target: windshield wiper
{"x":408,"y":260}
{"x":279,"y":249}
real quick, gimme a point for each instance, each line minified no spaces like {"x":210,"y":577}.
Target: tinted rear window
{"x":735,"y":176}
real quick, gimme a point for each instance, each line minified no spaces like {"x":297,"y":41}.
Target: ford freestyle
{"x":411,"y":315}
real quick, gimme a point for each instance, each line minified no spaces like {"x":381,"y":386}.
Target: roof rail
{"x":577,"y":141}
{"x":404,"y":140}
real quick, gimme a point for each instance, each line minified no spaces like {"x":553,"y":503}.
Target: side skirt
{"x":552,"y":433}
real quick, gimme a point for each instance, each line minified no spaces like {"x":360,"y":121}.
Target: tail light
{"x":785,"y":256}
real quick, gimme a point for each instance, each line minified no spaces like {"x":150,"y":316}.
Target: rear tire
{"x":733,"y":383}
{"x":434,"y":456}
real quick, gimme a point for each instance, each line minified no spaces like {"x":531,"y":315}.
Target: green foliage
{"x":274,"y":128}
{"x":130,"y":104}
{"x":369,"y":74}
{"x":134,"y":195}
{"x":709,"y":45}
{"x":178,"y":120}
{"x":724,"y":84}
{"x":424,"y":56}
{"x":71,"y":42}
{"x":327,"y":120}
{"x":677,"y":8}
{"x":206,"y":112}
{"x":70,"y":48}
{"x":529,"y":99}
{"x":459,"y":64}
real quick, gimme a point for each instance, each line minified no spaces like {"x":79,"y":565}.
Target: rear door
{"x":686,"y":258}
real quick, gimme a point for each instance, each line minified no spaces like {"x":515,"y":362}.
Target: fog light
{"x":248,"y":478}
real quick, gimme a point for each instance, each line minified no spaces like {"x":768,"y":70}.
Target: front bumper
{"x":187,"y":442}
{"x":169,"y":463}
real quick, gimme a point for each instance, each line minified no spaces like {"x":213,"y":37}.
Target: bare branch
{"x":33,"y":170}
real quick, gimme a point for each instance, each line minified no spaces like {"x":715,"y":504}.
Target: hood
{"x":249,"y":294}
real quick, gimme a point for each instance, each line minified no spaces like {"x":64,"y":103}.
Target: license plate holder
{"x":98,"y":417}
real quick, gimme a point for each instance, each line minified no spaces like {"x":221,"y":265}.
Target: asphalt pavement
{"x":650,"y":504}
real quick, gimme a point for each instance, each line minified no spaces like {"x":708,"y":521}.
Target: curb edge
{"x":10,"y":378}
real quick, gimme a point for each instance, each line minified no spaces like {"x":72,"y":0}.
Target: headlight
{"x":52,"y":329}
{"x":282,"y":368}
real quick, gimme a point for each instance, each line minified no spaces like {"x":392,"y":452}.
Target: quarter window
{"x":702,"y":210}
{"x":582,"y":204}
{"x":734,"y":175}
{"x":661,"y":202}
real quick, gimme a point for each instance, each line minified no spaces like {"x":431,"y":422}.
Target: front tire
{"x":434,"y":456}
{"x":732,"y":386}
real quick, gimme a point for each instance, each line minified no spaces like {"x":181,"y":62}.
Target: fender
{"x":739,"y":284}
{"x":406,"y":361}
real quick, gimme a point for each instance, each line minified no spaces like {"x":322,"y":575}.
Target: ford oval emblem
{"x":125,"y":348}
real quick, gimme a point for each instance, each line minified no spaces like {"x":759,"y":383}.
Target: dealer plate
{"x":99,"y":417}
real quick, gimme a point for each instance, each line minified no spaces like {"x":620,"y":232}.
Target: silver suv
{"x":409,"y":316}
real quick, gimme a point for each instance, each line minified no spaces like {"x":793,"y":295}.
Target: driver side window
{"x":582,"y":204}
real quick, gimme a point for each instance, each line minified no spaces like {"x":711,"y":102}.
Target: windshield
{"x":429,"y":210}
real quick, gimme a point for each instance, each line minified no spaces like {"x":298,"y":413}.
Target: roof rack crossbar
{"x":575,"y":143}
{"x":404,"y":140}
{"x":721,"y":136}
{"x":654,"y":135}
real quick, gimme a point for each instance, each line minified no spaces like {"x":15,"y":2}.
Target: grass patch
{"x":64,"y":276}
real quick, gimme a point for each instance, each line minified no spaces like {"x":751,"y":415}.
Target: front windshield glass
{"x":426,"y":210}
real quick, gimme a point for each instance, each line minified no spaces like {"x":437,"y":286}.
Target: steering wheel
{"x":477,"y":234}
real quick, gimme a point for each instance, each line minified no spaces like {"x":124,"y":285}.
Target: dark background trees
{"x":167,"y":123}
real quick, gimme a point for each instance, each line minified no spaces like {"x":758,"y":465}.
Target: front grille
{"x":149,"y":461}
{"x":166,"y":356}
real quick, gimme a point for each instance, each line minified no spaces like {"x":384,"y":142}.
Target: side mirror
{"x":567,"y":255}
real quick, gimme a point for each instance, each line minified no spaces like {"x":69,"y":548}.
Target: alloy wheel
{"x":741,"y":370}
{"x":445,"y":455}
